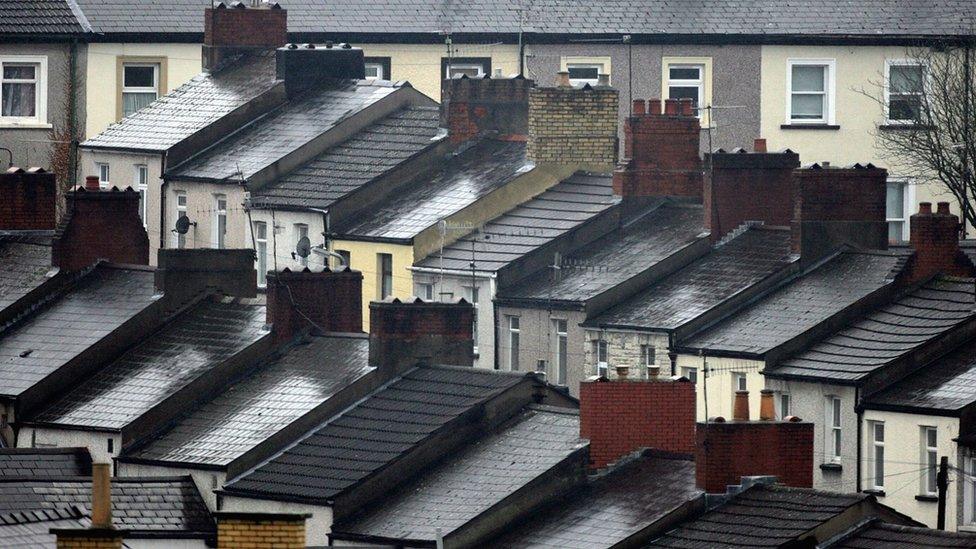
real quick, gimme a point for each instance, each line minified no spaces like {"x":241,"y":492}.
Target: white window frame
{"x":930,"y":458}
{"x":301,"y":229}
{"x":104,"y":170}
{"x":141,"y":177}
{"x":830,"y":91}
{"x":451,"y":67}
{"x":561,"y":338}
{"x":834,"y":443}
{"x":140,"y":89}
{"x":785,"y":405}
{"x":514,"y":341}
{"x":908,"y":206}
{"x":739,"y":382}
{"x":425,"y":291}
{"x":877,"y":468}
{"x":601,"y":357}
{"x":691,"y":373}
{"x":591,"y":81}
{"x":889,"y":63}
{"x":379,"y":71}
{"x":181,"y":211}
{"x":261,"y":252}
{"x":40,"y":91}
{"x":684,"y":83}
{"x":219,"y":240}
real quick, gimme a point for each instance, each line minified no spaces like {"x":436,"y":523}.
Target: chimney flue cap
{"x":943,"y":208}
{"x":562,"y":79}
{"x":92,"y":183}
{"x":759,"y":145}
{"x":924,"y":207}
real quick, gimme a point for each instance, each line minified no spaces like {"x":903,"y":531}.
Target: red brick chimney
{"x":738,"y":177}
{"x":230,"y":30}
{"x":661,"y":156}
{"x":935,"y":238}
{"x":28,"y":200}
{"x":837,"y":206}
{"x":323,"y":300}
{"x":476,"y":106}
{"x":622,"y":416}
{"x":404,"y":334}
{"x":100,"y":225}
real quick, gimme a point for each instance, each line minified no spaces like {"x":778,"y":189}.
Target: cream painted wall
{"x":201,"y":210}
{"x":718,"y":387}
{"x":317,"y":527}
{"x":362,"y":257}
{"x":183,"y":61}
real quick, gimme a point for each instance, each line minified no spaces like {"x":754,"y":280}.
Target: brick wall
{"x":100,"y":225}
{"x":184,"y":273}
{"x":575,"y":126}
{"x":330,"y":299}
{"x":28,"y":200}
{"x":661,"y":152}
{"x":403,"y":334}
{"x":256,"y":531}
{"x":620,"y":417}
{"x":474,"y":106}
{"x":935,"y":238}
{"x":726,"y":452}
{"x":93,"y":538}
{"x":228,"y":32}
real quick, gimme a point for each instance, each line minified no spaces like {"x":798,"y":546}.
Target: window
{"x":970,"y":495}
{"x":23,"y":90}
{"x":833,"y":423}
{"x":810,"y":88}
{"x":142,"y":184}
{"x":180,"y":212}
{"x":377,"y":68}
{"x":687,"y":82}
{"x":648,"y":355}
{"x":514,"y":337}
{"x":899,"y":204}
{"x":877,"y":430}
{"x":110,"y":445}
{"x":301,"y":231}
{"x":903,"y":93}
{"x":384,"y":270}
{"x":472,"y":67}
{"x":473,"y":298}
{"x":220,"y":221}
{"x":785,"y":410}
{"x":425,"y":291}
{"x":930,"y":457}
{"x":690,"y":373}
{"x":739,"y":382}
{"x":103,"y":174}
{"x":140,"y":86}
{"x":261,"y":250}
{"x":601,"y":353}
{"x":584,"y":73}
{"x":560,"y":349}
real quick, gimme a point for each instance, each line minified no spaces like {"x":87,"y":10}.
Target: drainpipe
{"x":162,"y":202}
{"x":857,"y":410}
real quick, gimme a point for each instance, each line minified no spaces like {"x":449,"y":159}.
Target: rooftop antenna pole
{"x":440,"y":276}
{"x":274,"y":240}
{"x":704,"y":381}
{"x":247,"y":209}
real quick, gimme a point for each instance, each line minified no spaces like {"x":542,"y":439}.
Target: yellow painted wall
{"x":182,"y":62}
{"x":719,"y":390}
{"x":362,"y":257}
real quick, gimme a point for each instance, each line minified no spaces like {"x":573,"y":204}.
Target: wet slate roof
{"x":463,"y":179}
{"x":610,"y":508}
{"x":191,"y":107}
{"x":44,"y":462}
{"x":750,"y":17}
{"x":762,"y":516}
{"x":616,"y":257}
{"x":947,"y":384}
{"x":894,"y":536}
{"x":185,"y":349}
{"x":728,"y":269}
{"x":370,"y":153}
{"x":39,"y":17}
{"x":33,"y":530}
{"x":885,"y":334}
{"x":390,"y":422}
{"x":161,"y":504}
{"x":24,"y":265}
{"x":282,"y":131}
{"x":465,"y":485}
{"x":559,"y":209}
{"x":46,"y":340}
{"x":249,"y":411}
{"x":800,"y":304}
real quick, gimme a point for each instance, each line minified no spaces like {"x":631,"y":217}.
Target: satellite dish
{"x":183,"y":224}
{"x":304,"y":247}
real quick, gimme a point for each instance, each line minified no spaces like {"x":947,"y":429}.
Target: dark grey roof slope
{"x":455,"y":492}
{"x":610,"y":508}
{"x":946,"y":385}
{"x":185,"y":349}
{"x":800,"y":304}
{"x":345,"y":168}
{"x":191,"y":107}
{"x":282,"y":131}
{"x":381,"y":428}
{"x":690,"y":292}
{"x":40,"y":344}
{"x":885,"y":334}
{"x":33,"y":530}
{"x":894,"y":536}
{"x":559,"y":209}
{"x":44,"y":462}
{"x":24,"y":265}
{"x":162,"y":504}
{"x":248,"y":412}
{"x":616,"y":257}
{"x":38,"y":17}
{"x":466,"y":177}
{"x":762,"y":516}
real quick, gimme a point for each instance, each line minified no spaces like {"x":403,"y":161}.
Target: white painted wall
{"x":95,"y":441}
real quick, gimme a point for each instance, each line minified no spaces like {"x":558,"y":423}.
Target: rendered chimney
{"x":740,"y":406}
{"x":260,"y":530}
{"x":28,"y":200}
{"x":935,"y":239}
{"x":232,"y":31}
{"x":767,"y":408}
{"x":322,"y":300}
{"x":471,"y":107}
{"x":405,"y":334}
{"x":306,"y":67}
{"x":101,"y":510}
{"x":80,"y":240}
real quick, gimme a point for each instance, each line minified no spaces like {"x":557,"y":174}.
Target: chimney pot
{"x":101,"y":509}
{"x":740,"y":407}
{"x":671,"y":107}
{"x":686,"y":107}
{"x":562,"y":79}
{"x":767,"y":409}
{"x":623,"y":371}
{"x":759,"y":145}
{"x":639,"y":107}
{"x":944,"y":208}
{"x":653,"y":371}
{"x":654,"y":107}
{"x":924,"y":207}
{"x":92,"y":183}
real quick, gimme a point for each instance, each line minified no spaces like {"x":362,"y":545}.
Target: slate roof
{"x":33,"y":530}
{"x":458,"y":490}
{"x":251,"y":410}
{"x":894,"y":536}
{"x":616,"y":257}
{"x":44,"y":462}
{"x":885,"y":334}
{"x":39,"y":17}
{"x":160,"y":504}
{"x":610,"y":508}
{"x":730,"y":268}
{"x":188,"y":347}
{"x":947,"y":384}
{"x":24,"y":265}
{"x":800,"y":304}
{"x":370,"y":153}
{"x":283,"y":130}
{"x":463,"y":179}
{"x":554,"y":212}
{"x":749,"y":17}
{"x":762,"y":516}
{"x":390,"y":422}
{"x":99,"y":303}
{"x":191,"y":107}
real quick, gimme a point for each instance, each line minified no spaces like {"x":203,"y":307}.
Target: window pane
{"x":896,"y":231}
{"x":583,"y":73}
{"x":879,"y":432}
{"x":684,"y":92}
{"x":19,"y":72}
{"x":471,"y":71}
{"x":931,"y":438}
{"x":374,"y":70}
{"x":895,"y":208}
{"x":132,"y":102}
{"x":879,"y":466}
{"x":807,"y":107}
{"x":905,"y":79}
{"x":808,"y":78}
{"x":140,"y":77}
{"x":684,"y":73}
{"x":904,"y":107}
{"x":18,"y":100}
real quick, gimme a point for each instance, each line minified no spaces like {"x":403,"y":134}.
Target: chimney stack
{"x":184,"y":274}
{"x":310,"y":66}
{"x":101,"y":510}
{"x":471,"y":107}
{"x":325,"y":300}
{"x":405,"y":334}
{"x":102,"y":533}
{"x":260,"y":530}
{"x":935,"y":238}
{"x":28,"y":200}
{"x":232,"y":30}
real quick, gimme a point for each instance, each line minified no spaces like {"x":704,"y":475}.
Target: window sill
{"x":809,"y":127}
{"x":875,"y":493}
{"x":24,"y":126}
{"x":895,"y":127}
{"x":931,"y":499}
{"x":831,"y":467}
